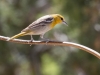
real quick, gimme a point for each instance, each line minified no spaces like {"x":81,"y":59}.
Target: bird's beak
{"x":64,"y":22}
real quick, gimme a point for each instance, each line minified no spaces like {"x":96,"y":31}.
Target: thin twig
{"x":89,"y":50}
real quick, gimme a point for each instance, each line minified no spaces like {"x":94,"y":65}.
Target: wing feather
{"x":43,"y":21}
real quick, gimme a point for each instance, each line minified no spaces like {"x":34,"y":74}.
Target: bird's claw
{"x":46,"y":40}
{"x":30,"y":41}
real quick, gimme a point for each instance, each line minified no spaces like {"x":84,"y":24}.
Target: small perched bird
{"x":41,"y":26}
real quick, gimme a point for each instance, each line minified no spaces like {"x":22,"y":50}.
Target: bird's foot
{"x":46,"y":40}
{"x":30,"y":41}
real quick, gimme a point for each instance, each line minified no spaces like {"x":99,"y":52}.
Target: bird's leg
{"x":31,"y":40}
{"x":41,"y":36}
{"x":47,"y":40}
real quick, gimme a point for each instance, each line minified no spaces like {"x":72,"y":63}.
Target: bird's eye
{"x":61,"y":18}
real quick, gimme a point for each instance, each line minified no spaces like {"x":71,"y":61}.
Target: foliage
{"x":82,"y":17}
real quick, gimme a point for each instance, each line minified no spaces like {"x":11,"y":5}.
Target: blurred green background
{"x":83,"y":18}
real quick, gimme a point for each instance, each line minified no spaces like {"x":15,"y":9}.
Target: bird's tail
{"x":16,"y":36}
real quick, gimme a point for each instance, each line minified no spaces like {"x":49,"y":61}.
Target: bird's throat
{"x":53,"y":24}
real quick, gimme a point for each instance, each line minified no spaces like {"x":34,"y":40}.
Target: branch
{"x":89,"y":50}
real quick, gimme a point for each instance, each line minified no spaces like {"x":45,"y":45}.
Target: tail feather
{"x":16,"y":36}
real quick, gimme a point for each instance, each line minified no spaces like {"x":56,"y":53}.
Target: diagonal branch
{"x":89,"y":50}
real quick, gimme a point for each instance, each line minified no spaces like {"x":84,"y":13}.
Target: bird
{"x":41,"y":26}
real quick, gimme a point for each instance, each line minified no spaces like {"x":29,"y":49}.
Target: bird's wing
{"x":43,"y":21}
